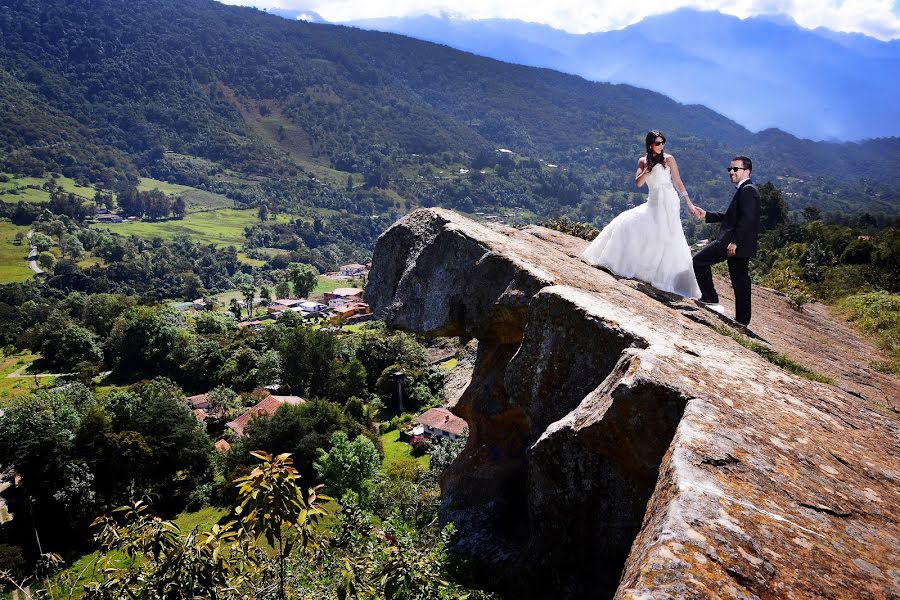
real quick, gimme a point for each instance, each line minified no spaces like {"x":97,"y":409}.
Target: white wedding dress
{"x":647,"y":242}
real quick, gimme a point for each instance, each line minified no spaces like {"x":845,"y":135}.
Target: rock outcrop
{"x":621,"y":446}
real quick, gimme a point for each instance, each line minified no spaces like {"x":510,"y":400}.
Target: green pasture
{"x":195,"y":200}
{"x":13,"y":266}
{"x":395,"y":450}
{"x":222,"y":227}
{"x":13,"y":388}
{"x":145,"y":184}
{"x":17,"y":188}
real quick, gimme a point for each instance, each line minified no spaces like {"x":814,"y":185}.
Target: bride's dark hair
{"x":653,"y":160}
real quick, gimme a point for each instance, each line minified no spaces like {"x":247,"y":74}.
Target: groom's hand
{"x":732,"y":248}
{"x":698,"y":212}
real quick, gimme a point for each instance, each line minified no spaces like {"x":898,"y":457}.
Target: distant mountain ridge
{"x":762,"y":72}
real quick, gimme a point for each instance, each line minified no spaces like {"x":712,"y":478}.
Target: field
{"x":12,"y":388}
{"x":395,"y":450}
{"x":13,"y":266}
{"x":195,"y":200}
{"x":327,"y":284}
{"x":222,"y":227}
{"x":16,"y":189}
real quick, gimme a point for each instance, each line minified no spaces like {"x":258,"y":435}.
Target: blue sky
{"x":876,"y":18}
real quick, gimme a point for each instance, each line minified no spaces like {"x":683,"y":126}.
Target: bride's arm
{"x":642,"y":172}
{"x":676,"y":179}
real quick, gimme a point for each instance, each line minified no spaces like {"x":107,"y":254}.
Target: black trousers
{"x":738,"y":270}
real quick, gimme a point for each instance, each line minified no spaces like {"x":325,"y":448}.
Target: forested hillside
{"x":246,"y":103}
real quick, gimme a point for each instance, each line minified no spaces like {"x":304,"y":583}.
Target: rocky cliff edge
{"x":621,"y":446}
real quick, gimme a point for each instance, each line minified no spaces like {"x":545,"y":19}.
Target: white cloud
{"x":877,"y":18}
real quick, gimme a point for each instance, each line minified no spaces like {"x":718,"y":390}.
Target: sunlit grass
{"x":13,"y":266}
{"x":777,"y":359}
{"x":223,"y":227}
{"x":14,"y":388}
{"x":25,"y":193}
{"x":395,"y":450}
{"x":877,"y":314}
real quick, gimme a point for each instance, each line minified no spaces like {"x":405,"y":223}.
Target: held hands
{"x":731,"y":249}
{"x":697,"y":212}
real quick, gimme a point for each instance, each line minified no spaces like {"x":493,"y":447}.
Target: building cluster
{"x":341,"y":306}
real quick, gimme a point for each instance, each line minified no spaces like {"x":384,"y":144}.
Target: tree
{"x":145,"y":341}
{"x":222,"y":398}
{"x":248,"y":291}
{"x":271,"y":501}
{"x":46,"y":260}
{"x":235,"y":308}
{"x":773,"y":208}
{"x":214,"y":322}
{"x":41,"y":241}
{"x":224,"y":563}
{"x":298,"y":429}
{"x":38,"y":438}
{"x":62,"y":343}
{"x":283,"y":289}
{"x":307,"y":358}
{"x":182,"y":452}
{"x":191,"y":285}
{"x":179,"y":208}
{"x":157,"y":205}
{"x":811,"y":213}
{"x":348,"y":465}
{"x":263,"y":212}
{"x":304,"y":277}
{"x":72,"y":247}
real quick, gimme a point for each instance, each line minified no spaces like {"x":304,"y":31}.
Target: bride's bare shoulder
{"x":642,"y":160}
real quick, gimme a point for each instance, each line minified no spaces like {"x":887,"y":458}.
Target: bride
{"x":647,"y":242}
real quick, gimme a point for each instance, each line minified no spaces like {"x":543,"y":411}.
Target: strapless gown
{"x":647,"y":241}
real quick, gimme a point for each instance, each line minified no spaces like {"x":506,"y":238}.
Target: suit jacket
{"x":740,"y":221}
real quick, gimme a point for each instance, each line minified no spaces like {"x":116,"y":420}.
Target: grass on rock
{"x":777,"y":359}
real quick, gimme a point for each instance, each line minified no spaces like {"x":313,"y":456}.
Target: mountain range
{"x":761,"y":72}
{"x":246,"y":103}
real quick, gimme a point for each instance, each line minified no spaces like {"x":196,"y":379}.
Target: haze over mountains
{"x":762,"y":72}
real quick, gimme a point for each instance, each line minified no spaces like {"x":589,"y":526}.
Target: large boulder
{"x":623,"y":444}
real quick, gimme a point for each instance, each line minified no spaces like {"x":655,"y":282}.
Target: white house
{"x":352,"y":269}
{"x":440,"y":422}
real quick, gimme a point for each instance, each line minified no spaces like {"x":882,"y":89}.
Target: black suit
{"x":740,"y":225}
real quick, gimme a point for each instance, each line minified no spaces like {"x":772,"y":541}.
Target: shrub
{"x":785,"y":280}
{"x":419,"y":444}
{"x":585,"y":231}
{"x":878,"y":314}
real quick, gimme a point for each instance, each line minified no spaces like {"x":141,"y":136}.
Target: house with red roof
{"x":198,"y":401}
{"x":440,"y":422}
{"x":264,"y":408}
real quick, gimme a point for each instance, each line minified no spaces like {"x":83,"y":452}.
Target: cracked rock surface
{"x":620,"y":447}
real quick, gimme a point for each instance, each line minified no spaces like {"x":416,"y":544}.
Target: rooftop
{"x":265,"y":407}
{"x":443,"y":419}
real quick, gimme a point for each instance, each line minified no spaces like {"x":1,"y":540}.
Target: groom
{"x":736,"y":242}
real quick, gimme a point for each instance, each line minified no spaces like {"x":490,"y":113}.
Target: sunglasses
{"x":736,"y":169}
{"x":662,"y":143}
